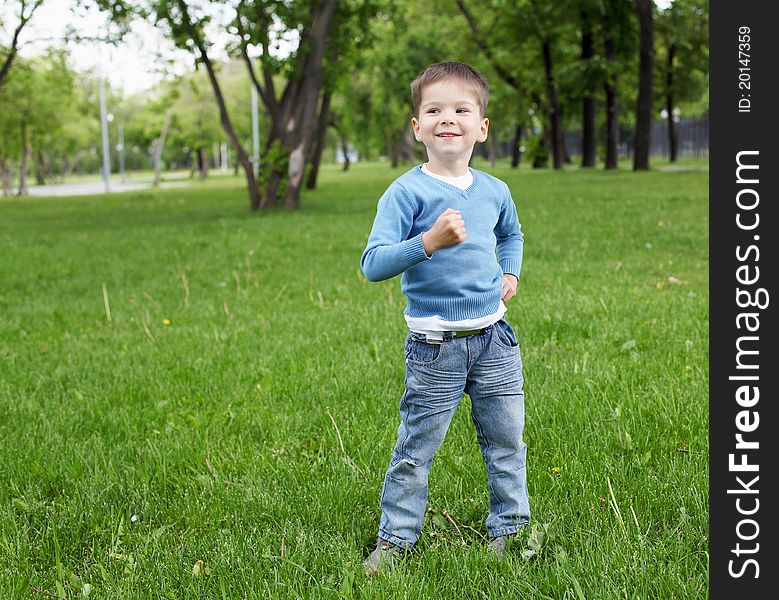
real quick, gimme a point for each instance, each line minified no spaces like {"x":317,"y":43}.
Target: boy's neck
{"x":456,"y":168}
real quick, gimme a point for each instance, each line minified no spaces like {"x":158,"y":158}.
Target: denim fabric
{"x":488,"y":367}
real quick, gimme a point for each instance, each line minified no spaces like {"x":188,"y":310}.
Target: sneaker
{"x":382,"y":557}
{"x":498,"y":547}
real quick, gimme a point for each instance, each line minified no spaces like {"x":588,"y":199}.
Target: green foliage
{"x":275,"y":159}
{"x":536,"y":151}
{"x":43,"y":94}
{"x":685,"y":26}
{"x":376,"y":49}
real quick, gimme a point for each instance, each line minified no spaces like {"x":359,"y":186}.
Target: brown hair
{"x":450,"y":69}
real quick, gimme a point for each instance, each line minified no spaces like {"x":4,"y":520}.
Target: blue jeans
{"x":488,"y":367}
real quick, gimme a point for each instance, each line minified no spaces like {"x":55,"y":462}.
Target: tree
{"x":38,"y":99}
{"x":186,"y":22}
{"x":512,"y":24}
{"x":196,"y":121}
{"x":616,"y":31}
{"x":293,"y":114}
{"x":25,"y":11}
{"x":645,"y":84}
{"x":683,"y":31}
{"x":589,"y":140}
{"x":352,"y":37}
{"x":374,"y":102}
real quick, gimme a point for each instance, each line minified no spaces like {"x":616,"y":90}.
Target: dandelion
{"x":166,"y":322}
{"x":556,"y":470}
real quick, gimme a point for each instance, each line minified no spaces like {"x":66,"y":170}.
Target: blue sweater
{"x":458,"y":282}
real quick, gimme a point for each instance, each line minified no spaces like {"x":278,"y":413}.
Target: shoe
{"x":382,"y":557}
{"x":498,"y":547}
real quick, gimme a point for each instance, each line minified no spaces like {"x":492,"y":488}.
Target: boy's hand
{"x":509,"y":287}
{"x":448,"y":230}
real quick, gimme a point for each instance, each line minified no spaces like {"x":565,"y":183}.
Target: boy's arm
{"x":510,"y":240}
{"x":389,"y":252}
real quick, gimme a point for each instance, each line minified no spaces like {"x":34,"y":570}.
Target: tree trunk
{"x":589,"y":145}
{"x":6,"y":177}
{"x":319,"y":142}
{"x":612,"y":104}
{"x":612,"y":128}
{"x":24,"y":18}
{"x":192,"y":165}
{"x":41,"y":171}
{"x":311,"y":86}
{"x":673,"y":140}
{"x":645,"y":76}
{"x":202,"y":163}
{"x":67,"y":168}
{"x":554,"y":107}
{"x":224,"y":117}
{"x":392,"y":150}
{"x":541,"y":159}
{"x":516,"y":153}
{"x":408,"y":150}
{"x":26,"y":152}
{"x":344,"y":148}
{"x":158,"y":148}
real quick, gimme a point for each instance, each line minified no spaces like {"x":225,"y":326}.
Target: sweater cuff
{"x":414,"y":251}
{"x":511,"y":267}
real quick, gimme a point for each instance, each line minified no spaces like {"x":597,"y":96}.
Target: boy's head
{"x":450,"y":100}
{"x":451,"y":71}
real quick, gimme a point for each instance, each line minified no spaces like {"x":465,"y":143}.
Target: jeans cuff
{"x":393,"y":539}
{"x":496,"y":532}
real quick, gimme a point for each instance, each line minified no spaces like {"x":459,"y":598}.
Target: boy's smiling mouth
{"x":448,"y":134}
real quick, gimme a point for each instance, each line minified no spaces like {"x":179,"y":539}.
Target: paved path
{"x":95,"y":187}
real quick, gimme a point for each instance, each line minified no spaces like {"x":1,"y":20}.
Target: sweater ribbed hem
{"x":456,"y":309}
{"x":511,"y":266}
{"x":414,"y":251}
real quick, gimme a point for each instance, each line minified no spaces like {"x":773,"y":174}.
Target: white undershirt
{"x":435,"y":325}
{"x":463,"y":181}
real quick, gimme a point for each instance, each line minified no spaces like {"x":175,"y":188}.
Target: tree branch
{"x":481,"y":42}
{"x":23,"y":20}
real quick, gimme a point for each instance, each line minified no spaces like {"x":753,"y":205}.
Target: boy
{"x":440,"y":225}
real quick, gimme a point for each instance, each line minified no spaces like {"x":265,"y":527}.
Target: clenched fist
{"x":448,"y":230}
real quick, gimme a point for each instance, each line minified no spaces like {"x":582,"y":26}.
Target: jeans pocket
{"x":420,"y":352}
{"x":504,"y":334}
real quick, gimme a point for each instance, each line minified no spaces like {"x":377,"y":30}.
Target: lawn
{"x":198,"y":401}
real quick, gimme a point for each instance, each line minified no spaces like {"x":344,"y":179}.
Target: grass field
{"x":226,"y":431}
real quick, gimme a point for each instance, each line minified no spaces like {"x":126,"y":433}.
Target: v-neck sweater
{"x":459,"y":282}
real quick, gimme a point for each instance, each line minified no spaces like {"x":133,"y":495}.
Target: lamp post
{"x":255,"y":129}
{"x":104,"y":128}
{"x":120,"y":150}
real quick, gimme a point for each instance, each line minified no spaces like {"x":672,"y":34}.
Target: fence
{"x":692,"y":136}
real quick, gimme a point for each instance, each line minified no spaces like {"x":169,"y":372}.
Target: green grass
{"x":252,"y":433}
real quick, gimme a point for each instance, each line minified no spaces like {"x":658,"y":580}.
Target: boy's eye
{"x":432,"y":110}
{"x":462,"y":110}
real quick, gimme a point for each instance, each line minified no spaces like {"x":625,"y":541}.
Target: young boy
{"x":440,"y":225}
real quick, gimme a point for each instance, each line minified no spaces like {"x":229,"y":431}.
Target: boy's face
{"x":450,"y":121}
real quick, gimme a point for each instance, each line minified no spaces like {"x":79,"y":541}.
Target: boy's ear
{"x":415,"y":127}
{"x":484,"y":129}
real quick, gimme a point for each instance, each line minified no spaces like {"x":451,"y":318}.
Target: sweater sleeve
{"x":389,"y":251}
{"x":510,"y":240}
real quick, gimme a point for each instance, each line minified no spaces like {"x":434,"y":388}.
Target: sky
{"x":132,"y":66}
